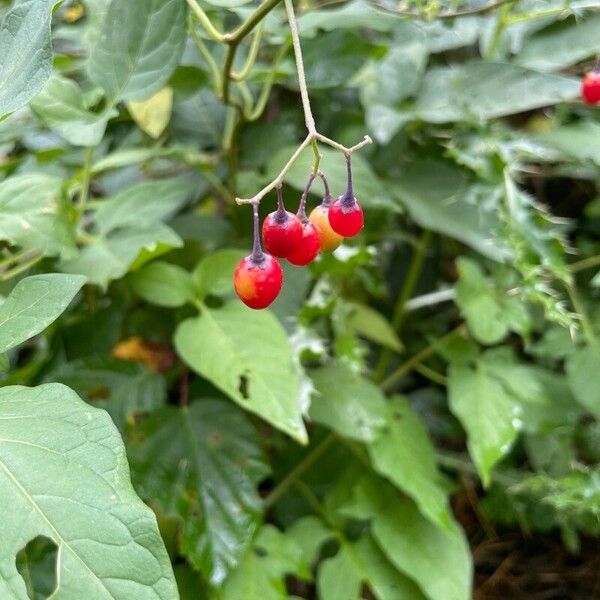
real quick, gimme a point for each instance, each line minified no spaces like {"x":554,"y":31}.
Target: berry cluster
{"x":258,"y":278}
{"x":590,"y":86}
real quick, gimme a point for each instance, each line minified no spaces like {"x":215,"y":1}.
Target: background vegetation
{"x":417,"y":414}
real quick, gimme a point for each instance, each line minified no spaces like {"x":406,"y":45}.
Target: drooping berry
{"x":258,"y":277}
{"x":590,"y":87}
{"x":319,"y":216}
{"x":281,"y":230}
{"x":258,"y":282}
{"x":345,"y":214}
{"x":308,"y":248}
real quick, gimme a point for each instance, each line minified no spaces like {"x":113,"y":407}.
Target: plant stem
{"x":252,"y":54}
{"x":257,"y":251}
{"x":213,"y":33}
{"x":86,"y":178}
{"x":412,"y":278}
{"x":308,"y":461}
{"x":208,"y":57}
{"x":585,"y":263}
{"x":18,"y":269}
{"x":302,"y":207}
{"x":308,"y":116}
{"x":431,"y":374}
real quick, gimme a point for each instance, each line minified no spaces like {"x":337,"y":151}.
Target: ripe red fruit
{"x":282,"y":232}
{"x":345,"y":214}
{"x":590,"y":88}
{"x":258,"y":280}
{"x":308,"y":248}
{"x":319,"y":217}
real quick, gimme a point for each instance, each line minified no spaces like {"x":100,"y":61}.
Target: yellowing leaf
{"x":153,"y":115}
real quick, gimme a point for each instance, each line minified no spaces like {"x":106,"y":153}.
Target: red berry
{"x":258,"y":281}
{"x":330,"y":240}
{"x":346,"y":216}
{"x":590,"y":88}
{"x":308,"y":248}
{"x":282,"y":232}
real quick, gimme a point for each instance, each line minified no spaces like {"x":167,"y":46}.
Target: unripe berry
{"x":282,"y":232}
{"x":308,"y":248}
{"x":258,"y":281}
{"x":330,"y":240}
{"x":590,"y":88}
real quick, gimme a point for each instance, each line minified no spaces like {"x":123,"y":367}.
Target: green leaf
{"x":138,"y":49}
{"x":489,"y":413}
{"x":347,"y":403}
{"x":404,"y":454}
{"x":143,"y":204}
{"x":227,"y":347}
{"x":124,"y":388}
{"x":262,"y":571}
{"x":487,"y":90}
{"x":355,"y":564}
{"x":562,"y":44}
{"x":112,"y":257}
{"x":580,"y":141}
{"x":26,"y":51}
{"x":368,"y":188}
{"x":583,"y":375}
{"x":63,"y":464}
{"x":33,"y":304}
{"x":214,"y":273}
{"x":153,"y":115}
{"x":203,"y":464}
{"x":439,"y":198}
{"x":32,"y":214}
{"x":163,"y":284}
{"x":309,"y":533}
{"x":372,"y":325}
{"x":60,"y":105}
{"x":490,"y":313}
{"x":439,"y":561}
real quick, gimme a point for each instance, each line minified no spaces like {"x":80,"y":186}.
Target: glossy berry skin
{"x":330,"y":240}
{"x":346,"y":216}
{"x":590,"y":88}
{"x":309,"y":246}
{"x":258,"y":281}
{"x":282,"y":233}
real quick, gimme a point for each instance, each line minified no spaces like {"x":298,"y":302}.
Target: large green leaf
{"x":404,"y":454}
{"x":342,"y":577}
{"x":124,"y":389}
{"x":580,"y":141}
{"x":487,"y":90}
{"x":33,"y":304}
{"x":163,"y":284}
{"x":583,"y":374}
{"x":64,"y":475}
{"x":139,"y":47}
{"x":438,"y":560}
{"x":347,"y":403}
{"x":202,"y":464}
{"x":33,"y":215}
{"x":438,"y":197}
{"x":247,"y":355}
{"x":60,"y":105}
{"x":26,"y":52}
{"x":213,"y":273}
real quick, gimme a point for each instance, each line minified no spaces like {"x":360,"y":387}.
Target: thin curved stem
{"x":212,"y":31}
{"x":207,"y":56}
{"x":302,"y":208}
{"x":252,"y":54}
{"x":257,"y":251}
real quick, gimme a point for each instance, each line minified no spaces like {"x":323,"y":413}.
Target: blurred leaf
{"x":33,"y":304}
{"x":263,"y":568}
{"x":124,"y":389}
{"x":372,"y":325}
{"x":32,"y":214}
{"x":26,"y":50}
{"x":138,"y":49}
{"x":347,"y":403}
{"x":163,"y":284}
{"x":583,"y":375}
{"x":226,"y":346}
{"x":60,"y":105}
{"x":580,"y":141}
{"x":153,"y":114}
{"x":203,"y":463}
{"x":214,"y":273}
{"x":309,"y":534}
{"x":403,"y":453}
{"x":72,"y":480}
{"x":412,"y":543}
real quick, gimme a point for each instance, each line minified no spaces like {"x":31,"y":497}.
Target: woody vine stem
{"x":313,"y":136}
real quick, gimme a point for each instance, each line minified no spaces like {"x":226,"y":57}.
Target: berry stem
{"x":597,"y":67}
{"x":257,"y":252}
{"x":327,"y":197}
{"x":349,"y":191}
{"x":302,"y":207}
{"x":280,"y":205}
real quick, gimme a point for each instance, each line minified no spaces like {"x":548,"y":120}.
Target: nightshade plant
{"x":414,"y":414}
